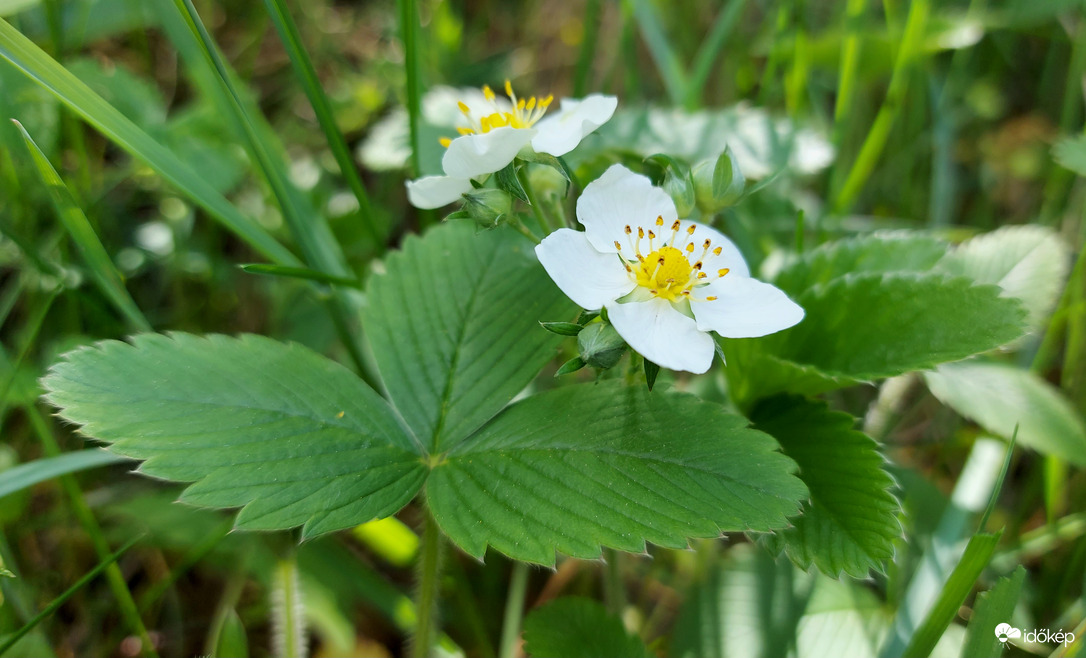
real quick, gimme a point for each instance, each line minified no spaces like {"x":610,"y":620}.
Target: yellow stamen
{"x":710,"y":299}
{"x":488,"y":93}
{"x":463,"y":107}
{"x":716,"y":252}
{"x":721,"y":272}
{"x":445,"y":141}
{"x":465,"y":131}
{"x":618,"y":246}
{"x":689,"y":247}
{"x":660,"y":220}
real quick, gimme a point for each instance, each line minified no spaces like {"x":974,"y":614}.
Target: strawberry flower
{"x":491,"y":136}
{"x":665,"y":283}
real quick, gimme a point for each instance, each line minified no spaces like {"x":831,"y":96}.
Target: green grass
{"x":215,"y":144}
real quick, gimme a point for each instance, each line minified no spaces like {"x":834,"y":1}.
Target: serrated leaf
{"x":603,"y":464}
{"x":1070,"y":152}
{"x":575,"y":627}
{"x":889,"y":251}
{"x":276,"y":429}
{"x":850,"y":522}
{"x":1030,"y":263}
{"x":1000,"y":397}
{"x":454,"y":327}
{"x":992,"y":608}
{"x":862,"y":327}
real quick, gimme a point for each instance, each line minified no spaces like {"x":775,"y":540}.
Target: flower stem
{"x":613,"y":591}
{"x":514,"y":610}
{"x":537,"y":210}
{"x":520,"y":227}
{"x":426,"y":596}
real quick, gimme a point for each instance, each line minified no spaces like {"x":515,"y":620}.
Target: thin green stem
{"x":428,"y":579}
{"x":911,"y":45}
{"x":125,"y":603}
{"x":523,"y":230}
{"x":537,"y":210}
{"x":614,"y":592}
{"x":54,"y":605}
{"x":514,"y":610}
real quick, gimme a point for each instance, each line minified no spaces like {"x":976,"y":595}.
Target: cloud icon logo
{"x":1005,"y":632}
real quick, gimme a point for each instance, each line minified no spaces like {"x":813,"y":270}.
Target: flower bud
{"x":487,"y":206}
{"x":600,"y":345}
{"x":718,"y":184}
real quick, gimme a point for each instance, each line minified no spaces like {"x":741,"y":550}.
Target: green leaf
{"x":602,"y":464}
{"x":862,"y":327}
{"x":992,"y":608}
{"x":562,"y":328}
{"x":454,"y":327}
{"x":999,"y":397}
{"x":93,"y":253}
{"x":506,"y":179}
{"x":276,"y":429}
{"x":26,"y":475}
{"x":850,"y":522}
{"x":977,"y":554}
{"x":1030,"y":263}
{"x":1070,"y":152}
{"x":887,"y":251}
{"x":575,"y":627}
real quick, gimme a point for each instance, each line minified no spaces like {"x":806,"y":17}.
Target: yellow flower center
{"x":523,"y":114}
{"x":666,"y":271}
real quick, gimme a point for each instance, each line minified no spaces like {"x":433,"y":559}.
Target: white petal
{"x":562,"y":132}
{"x":589,"y":278}
{"x":744,"y":308}
{"x":436,"y":191}
{"x":730,"y":256}
{"x":663,"y":335}
{"x":469,"y":156}
{"x":619,"y":198}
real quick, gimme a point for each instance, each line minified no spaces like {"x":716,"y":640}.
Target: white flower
{"x":492,"y":135}
{"x":665,"y":283}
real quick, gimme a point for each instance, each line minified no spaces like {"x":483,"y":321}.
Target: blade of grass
{"x":409,"y":35}
{"x":991,"y":609}
{"x":709,"y":52}
{"x":318,"y":245}
{"x":26,"y":57}
{"x":26,"y":475}
{"x":301,"y":273}
{"x":94,"y":255}
{"x":126,"y":605}
{"x":590,"y":31}
{"x":307,"y":75}
{"x":33,"y":326}
{"x":850,"y":61}
{"x":977,"y":554}
{"x":972,"y":494}
{"x":54,"y":605}
{"x":911,"y":46}
{"x":663,"y":55}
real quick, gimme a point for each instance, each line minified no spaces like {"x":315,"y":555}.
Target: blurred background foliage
{"x":935,"y":117}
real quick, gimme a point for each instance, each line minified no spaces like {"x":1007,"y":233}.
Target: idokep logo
{"x":1006,"y":632}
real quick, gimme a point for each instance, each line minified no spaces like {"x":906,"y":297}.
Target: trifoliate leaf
{"x":454,"y":327}
{"x":1030,"y":263}
{"x":1000,"y":397}
{"x":888,"y":251}
{"x":603,"y":464}
{"x":850,"y":522}
{"x":862,"y":327}
{"x":287,"y":435}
